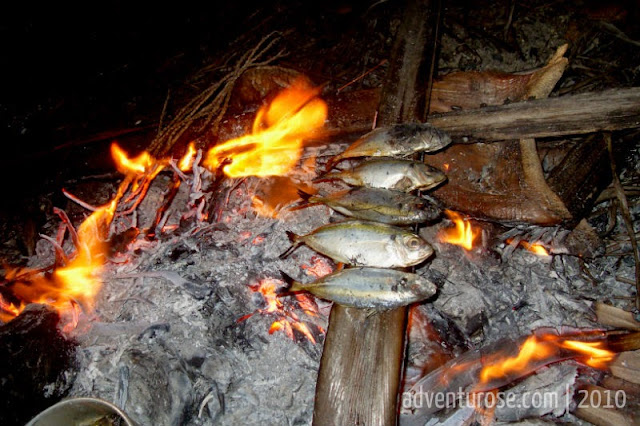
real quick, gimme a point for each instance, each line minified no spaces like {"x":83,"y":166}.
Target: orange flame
{"x":9,"y":311}
{"x":288,"y":320}
{"x":597,"y":356}
{"x":530,"y":351}
{"x":139,"y":165}
{"x":462,"y":235}
{"x":267,"y":287}
{"x":186,"y":162}
{"x":279,"y":130}
{"x":548,"y":347}
{"x":536,"y":248}
{"x":77,"y":282}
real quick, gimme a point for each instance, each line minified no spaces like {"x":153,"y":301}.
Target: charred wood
{"x":581,"y":176}
{"x":27,"y":368}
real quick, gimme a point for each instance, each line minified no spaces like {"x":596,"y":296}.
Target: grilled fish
{"x":390,"y":173}
{"x":400,"y":140}
{"x":379,"y":205}
{"x":364,"y":243}
{"x":376,"y":288}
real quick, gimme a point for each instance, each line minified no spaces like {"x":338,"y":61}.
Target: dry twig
{"x":208,"y":108}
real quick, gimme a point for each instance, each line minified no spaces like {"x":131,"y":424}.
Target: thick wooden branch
{"x":614,"y":109}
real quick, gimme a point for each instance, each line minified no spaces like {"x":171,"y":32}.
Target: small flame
{"x":531,"y":350}
{"x":126,"y":165}
{"x":279,"y":130}
{"x":446,"y":167}
{"x":598,"y":357}
{"x":462,"y":235}
{"x":542,"y":349}
{"x":536,"y":248}
{"x":9,"y":311}
{"x":186,"y":162}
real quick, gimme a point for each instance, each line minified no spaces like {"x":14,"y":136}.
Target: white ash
{"x":167,"y":347}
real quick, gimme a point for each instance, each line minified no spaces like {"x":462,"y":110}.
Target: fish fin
{"x":327,"y":176}
{"x":295,"y":242}
{"x":371,"y":312}
{"x":292,"y":284}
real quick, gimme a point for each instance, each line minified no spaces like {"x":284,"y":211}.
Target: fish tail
{"x":292,"y":284}
{"x":332,"y":162}
{"x":295,"y":242}
{"x":306,"y":197}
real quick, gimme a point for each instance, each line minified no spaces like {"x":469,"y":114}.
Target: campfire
{"x":278,"y":242}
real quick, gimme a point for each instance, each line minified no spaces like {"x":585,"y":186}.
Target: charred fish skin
{"x":363,"y":243}
{"x":390,"y":173}
{"x":379,"y":205}
{"x":400,"y":140}
{"x":373,"y":288}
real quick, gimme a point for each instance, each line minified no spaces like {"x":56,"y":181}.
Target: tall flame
{"x":463,"y":234}
{"x":279,"y":130}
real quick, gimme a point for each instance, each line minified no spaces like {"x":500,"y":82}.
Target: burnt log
{"x":614,"y":109}
{"x":608,"y":110}
{"x":361,"y":365}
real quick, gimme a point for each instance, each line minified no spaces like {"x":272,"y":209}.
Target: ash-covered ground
{"x":170,"y":342}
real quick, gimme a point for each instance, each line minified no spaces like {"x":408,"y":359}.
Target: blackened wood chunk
{"x":34,"y":357}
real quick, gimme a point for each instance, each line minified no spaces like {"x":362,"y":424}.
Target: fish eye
{"x":413,"y":243}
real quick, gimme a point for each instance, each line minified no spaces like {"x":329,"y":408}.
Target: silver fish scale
{"x":377,"y":288}
{"x":368,"y":244}
{"x":391,"y":173}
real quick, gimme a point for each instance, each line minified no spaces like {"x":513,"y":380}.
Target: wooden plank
{"x":361,"y":365}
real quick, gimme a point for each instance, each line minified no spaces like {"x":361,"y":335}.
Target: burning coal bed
{"x":190,"y":325}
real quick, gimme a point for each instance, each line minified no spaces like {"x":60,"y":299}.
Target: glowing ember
{"x":302,"y":328}
{"x":139,"y":165}
{"x":462,"y":235}
{"x":288,"y":320}
{"x":318,"y":268}
{"x":267,"y":287}
{"x":186,"y":162}
{"x":279,"y":130}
